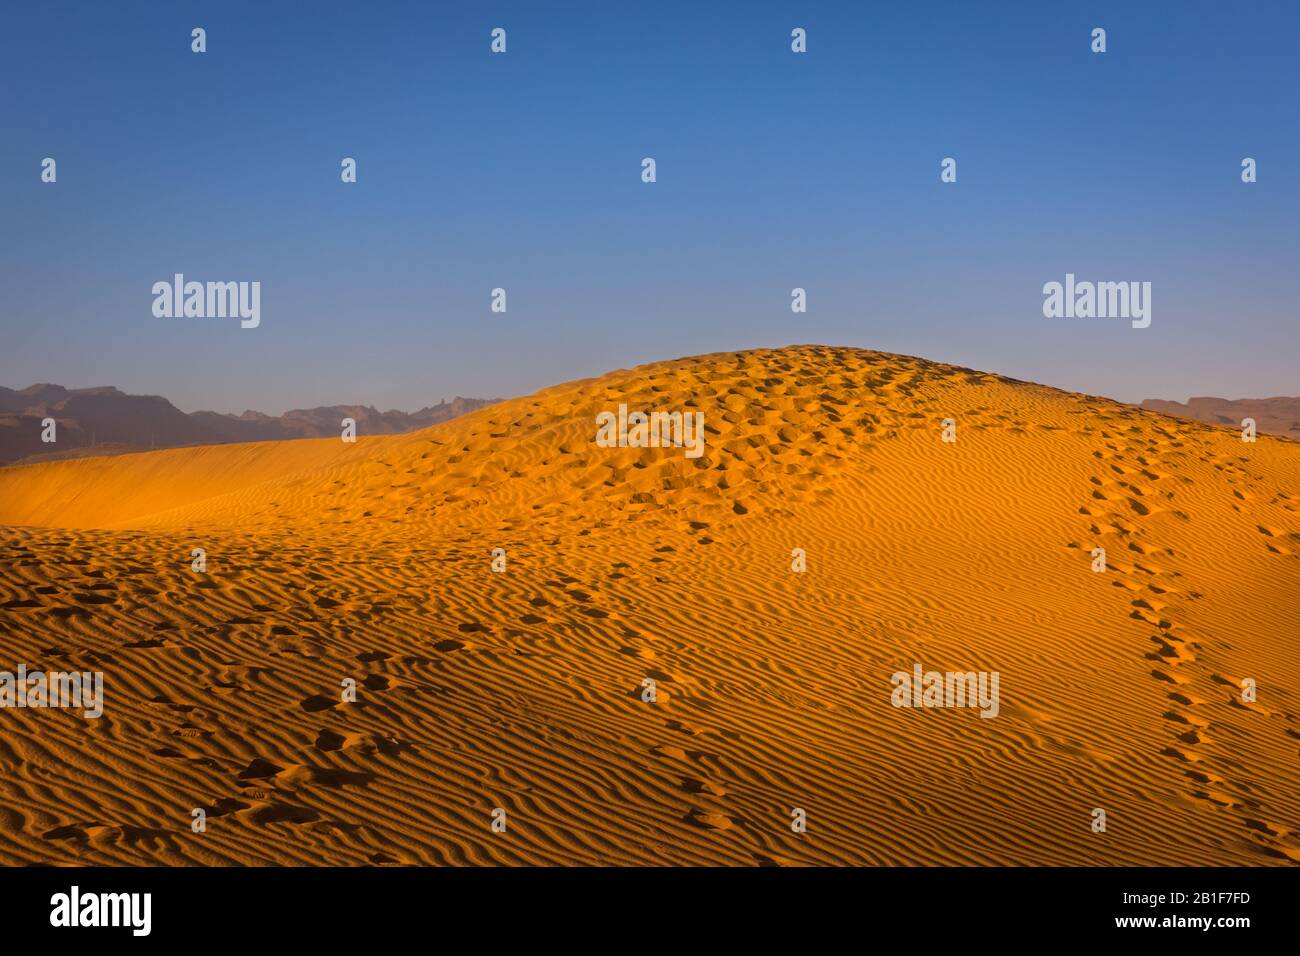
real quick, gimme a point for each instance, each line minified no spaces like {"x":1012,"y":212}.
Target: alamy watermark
{"x":75,"y":908}
{"x":946,"y":689}
{"x":651,"y":430}
{"x":209,"y":300}
{"x":58,"y":689}
{"x":1100,"y":300}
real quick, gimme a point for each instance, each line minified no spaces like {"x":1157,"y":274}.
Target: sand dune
{"x":523,"y":690}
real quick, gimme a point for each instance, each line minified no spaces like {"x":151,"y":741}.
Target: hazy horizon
{"x":522,"y":171}
{"x":449,"y":397}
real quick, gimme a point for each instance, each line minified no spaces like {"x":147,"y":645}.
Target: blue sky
{"x":522,"y":170}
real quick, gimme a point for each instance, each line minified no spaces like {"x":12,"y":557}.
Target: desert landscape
{"x":521,"y":688}
{"x":1277,"y":416}
{"x":105,"y":420}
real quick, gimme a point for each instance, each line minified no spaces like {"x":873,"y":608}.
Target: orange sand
{"x":522,"y":689}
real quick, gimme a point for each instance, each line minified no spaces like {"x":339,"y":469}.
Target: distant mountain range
{"x":1273,"y":416}
{"x":98,"y":421}
{"x":108,"y":421}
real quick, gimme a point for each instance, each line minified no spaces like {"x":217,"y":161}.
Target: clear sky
{"x":523,"y":170}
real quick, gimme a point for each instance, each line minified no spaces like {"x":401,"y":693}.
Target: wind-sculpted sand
{"x":522,"y":689}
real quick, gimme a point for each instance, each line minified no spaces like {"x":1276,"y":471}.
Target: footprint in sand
{"x":266,"y":813}
{"x":693,"y":785}
{"x":710,"y":820}
{"x":258,"y":769}
{"x":317,"y":703}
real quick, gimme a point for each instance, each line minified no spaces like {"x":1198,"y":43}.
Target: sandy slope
{"x":521,"y":689}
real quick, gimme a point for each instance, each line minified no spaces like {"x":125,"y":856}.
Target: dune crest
{"x":525,"y":689}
